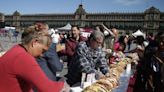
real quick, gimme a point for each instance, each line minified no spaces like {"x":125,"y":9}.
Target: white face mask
{"x":106,"y":33}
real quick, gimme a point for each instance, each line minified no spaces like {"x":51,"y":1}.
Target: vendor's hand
{"x":66,"y":88}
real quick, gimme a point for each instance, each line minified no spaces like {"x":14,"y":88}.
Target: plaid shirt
{"x":86,"y":60}
{"x":90,"y":59}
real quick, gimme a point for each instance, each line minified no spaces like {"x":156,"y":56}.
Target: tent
{"x":138,"y":33}
{"x":9,"y":28}
{"x":66,"y":27}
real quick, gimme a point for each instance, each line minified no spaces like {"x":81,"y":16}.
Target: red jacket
{"x":70,"y":45}
{"x":19,"y":72}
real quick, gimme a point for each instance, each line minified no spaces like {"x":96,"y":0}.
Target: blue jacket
{"x":50,"y":62}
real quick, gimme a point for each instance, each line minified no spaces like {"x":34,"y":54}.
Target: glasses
{"x":98,"y":42}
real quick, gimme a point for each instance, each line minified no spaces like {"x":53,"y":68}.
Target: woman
{"x":120,"y":45}
{"x":18,"y":68}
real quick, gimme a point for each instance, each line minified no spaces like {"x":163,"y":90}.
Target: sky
{"x":70,"y":6}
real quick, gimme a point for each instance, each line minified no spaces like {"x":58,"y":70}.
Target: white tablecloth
{"x":76,"y":89}
{"x":124,"y":81}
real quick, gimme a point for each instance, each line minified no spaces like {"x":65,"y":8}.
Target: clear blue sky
{"x":69,"y":6}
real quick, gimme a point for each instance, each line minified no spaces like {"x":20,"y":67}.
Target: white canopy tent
{"x":9,"y":28}
{"x":66,"y":27}
{"x":139,"y":33}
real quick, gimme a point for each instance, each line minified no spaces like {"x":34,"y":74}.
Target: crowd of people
{"x":10,"y":35}
{"x":33,"y":64}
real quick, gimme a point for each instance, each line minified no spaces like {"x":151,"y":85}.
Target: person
{"x":140,"y":46}
{"x":151,"y":68}
{"x":71,"y":43}
{"x":49,"y":61}
{"x":88,"y":58}
{"x":18,"y":68}
{"x":111,"y":36}
{"x":115,"y":33}
{"x":55,"y":35}
{"x":15,"y":35}
{"x":42,"y":26}
{"x":157,"y":64}
{"x":150,"y":37}
{"x":121,"y":41}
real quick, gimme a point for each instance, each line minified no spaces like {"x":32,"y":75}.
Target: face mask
{"x":106,"y":33}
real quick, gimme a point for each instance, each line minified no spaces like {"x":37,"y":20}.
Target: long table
{"x":123,"y":82}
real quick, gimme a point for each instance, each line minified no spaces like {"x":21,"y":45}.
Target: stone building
{"x":151,"y":19}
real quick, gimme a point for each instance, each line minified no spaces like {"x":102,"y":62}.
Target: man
{"x":89,"y":58}
{"x":72,"y":42}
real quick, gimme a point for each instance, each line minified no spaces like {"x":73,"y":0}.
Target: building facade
{"x":151,"y":19}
